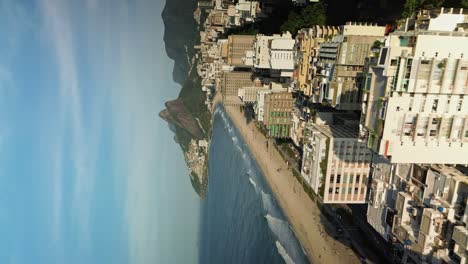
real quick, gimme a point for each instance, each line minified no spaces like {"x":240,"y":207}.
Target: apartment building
{"x":231,"y":82}
{"x":248,"y":95}
{"x":237,"y":47}
{"x":259,"y":105}
{"x":414,"y":116}
{"x":308,"y":41}
{"x":416,"y":103}
{"x":277,"y":114}
{"x":335,"y":164}
{"x":273,"y":55}
{"x":345,"y":56}
{"x":422,"y":210}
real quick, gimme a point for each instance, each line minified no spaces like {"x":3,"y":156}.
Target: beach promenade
{"x":303,"y":214}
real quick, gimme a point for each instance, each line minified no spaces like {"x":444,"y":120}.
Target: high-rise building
{"x":238,"y":45}
{"x":335,"y":164}
{"x":345,"y":55}
{"x":277,"y":116}
{"x":416,"y":101}
{"x":231,"y":82}
{"x":308,"y":41}
{"x":273,"y":55}
{"x":415,"y":119}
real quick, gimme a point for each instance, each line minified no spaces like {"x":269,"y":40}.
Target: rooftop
{"x":338,"y":131}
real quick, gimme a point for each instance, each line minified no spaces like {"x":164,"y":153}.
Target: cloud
{"x":59,"y":30}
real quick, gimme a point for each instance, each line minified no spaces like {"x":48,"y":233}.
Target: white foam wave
{"x":282,"y":251}
{"x":269,"y":204}
{"x":284,"y":234}
{"x":254,"y":184}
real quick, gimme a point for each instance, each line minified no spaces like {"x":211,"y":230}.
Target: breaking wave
{"x":285,"y":236}
{"x":287,"y":259}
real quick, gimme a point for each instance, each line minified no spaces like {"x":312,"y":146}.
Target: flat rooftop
{"x":338,"y":131}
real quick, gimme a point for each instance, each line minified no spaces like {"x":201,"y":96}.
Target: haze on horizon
{"x":88,"y":172}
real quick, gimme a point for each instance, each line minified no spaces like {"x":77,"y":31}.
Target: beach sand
{"x":303,"y":214}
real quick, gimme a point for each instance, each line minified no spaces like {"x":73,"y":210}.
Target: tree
{"x":313,"y":14}
{"x":410,"y":7}
{"x":464,"y":3}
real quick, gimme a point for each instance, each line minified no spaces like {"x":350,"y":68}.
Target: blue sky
{"x":88,"y":172}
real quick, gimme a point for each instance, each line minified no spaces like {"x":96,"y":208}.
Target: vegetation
{"x":199,"y":187}
{"x":412,"y":6}
{"x":180,"y":35}
{"x":304,"y":185}
{"x":313,"y":14}
{"x":323,"y":167}
{"x":377,"y":44}
{"x":379,"y":128}
{"x":247,"y":29}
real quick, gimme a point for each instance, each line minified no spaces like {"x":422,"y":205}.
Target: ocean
{"x":240,"y":220}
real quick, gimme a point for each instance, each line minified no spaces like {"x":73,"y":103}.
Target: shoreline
{"x":302,"y":213}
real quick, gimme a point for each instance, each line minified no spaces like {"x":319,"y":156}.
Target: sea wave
{"x":254,"y":184}
{"x":269,"y":204}
{"x":282,"y":251}
{"x":284,"y":234}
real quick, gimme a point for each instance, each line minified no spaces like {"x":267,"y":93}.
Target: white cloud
{"x":59,"y":29}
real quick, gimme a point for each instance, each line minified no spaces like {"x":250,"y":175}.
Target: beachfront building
{"x":248,"y":95}
{"x":417,"y":102}
{"x":231,"y":82}
{"x":259,"y":106}
{"x":237,"y":47}
{"x":277,"y":113}
{"x":335,"y":164}
{"x":273,"y":55}
{"x":298,"y":127}
{"x":345,"y":56}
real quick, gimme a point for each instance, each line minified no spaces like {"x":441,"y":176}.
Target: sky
{"x":88,"y":172}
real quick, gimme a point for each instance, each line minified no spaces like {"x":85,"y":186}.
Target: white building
{"x":275,"y":54}
{"x":417,"y":104}
{"x":249,"y":94}
{"x":335,"y":164}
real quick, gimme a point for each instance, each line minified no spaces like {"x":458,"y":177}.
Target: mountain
{"x":180,"y":35}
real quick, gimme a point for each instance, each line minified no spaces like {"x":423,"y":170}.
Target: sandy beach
{"x":303,"y":214}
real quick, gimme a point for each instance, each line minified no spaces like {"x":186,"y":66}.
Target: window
{"x":338,"y":178}
{"x":432,"y":133}
{"x":434,"y":105}
{"x":358,"y":177}
{"x":330,"y":190}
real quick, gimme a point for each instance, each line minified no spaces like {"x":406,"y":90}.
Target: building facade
{"x":335,"y":164}
{"x":277,"y":115}
{"x":417,"y":98}
{"x":346,"y":55}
